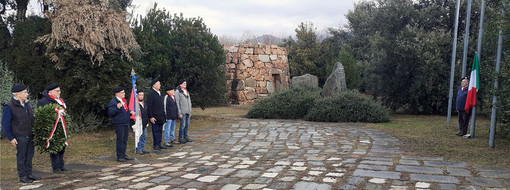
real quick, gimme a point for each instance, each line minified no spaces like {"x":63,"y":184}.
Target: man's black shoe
{"x":157,"y":148}
{"x":64,"y":169}
{"x":189,"y":140}
{"x":33,"y":177}
{"x":182,"y":141}
{"x":127,"y":157}
{"x":145,"y":152}
{"x":57,"y":171}
{"x":121,"y":159}
{"x":25,"y":179}
{"x":162,"y":147}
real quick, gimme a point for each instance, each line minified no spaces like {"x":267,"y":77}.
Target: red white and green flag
{"x":473,"y":85}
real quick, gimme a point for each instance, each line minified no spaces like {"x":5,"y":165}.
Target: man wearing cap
{"x":156,"y":113}
{"x":17,"y":121}
{"x":171,"y":115}
{"x":183,"y":100}
{"x":145,"y":122}
{"x":51,"y":95}
{"x":119,"y":114}
{"x":459,"y":105}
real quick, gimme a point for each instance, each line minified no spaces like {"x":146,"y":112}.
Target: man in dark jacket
{"x":156,"y":113}
{"x":17,"y":121}
{"x":171,"y":114}
{"x":459,"y":105}
{"x":51,"y":95}
{"x":118,"y":112}
{"x":145,"y":121}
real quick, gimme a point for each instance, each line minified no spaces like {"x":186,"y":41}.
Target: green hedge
{"x":350,"y":106}
{"x":289,"y":104}
{"x":296,"y":103}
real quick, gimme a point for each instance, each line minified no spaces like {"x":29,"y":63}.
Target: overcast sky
{"x":238,"y":18}
{"x":249,"y":18}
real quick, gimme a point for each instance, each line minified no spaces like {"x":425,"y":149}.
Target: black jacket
{"x":145,"y":118}
{"x":46,"y":100}
{"x":171,"y":111}
{"x":118,"y":115}
{"x":155,"y":107}
{"x":22,"y":118}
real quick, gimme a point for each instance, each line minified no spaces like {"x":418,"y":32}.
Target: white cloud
{"x":277,"y":17}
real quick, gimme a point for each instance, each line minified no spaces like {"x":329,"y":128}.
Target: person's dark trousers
{"x":156,"y":133}
{"x":57,"y":160}
{"x":24,"y":156}
{"x":122,"y":136}
{"x":463,"y":122}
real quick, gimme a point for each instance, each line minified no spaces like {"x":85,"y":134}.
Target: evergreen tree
{"x":176,"y":48}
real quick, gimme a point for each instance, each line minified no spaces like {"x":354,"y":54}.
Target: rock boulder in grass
{"x":306,"y":80}
{"x":335,"y":82}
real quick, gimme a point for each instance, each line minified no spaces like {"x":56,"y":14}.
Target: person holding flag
{"x":134,"y":106}
{"x":460,"y":105}
{"x":51,"y":95}
{"x":120,"y":117}
{"x":145,"y":121}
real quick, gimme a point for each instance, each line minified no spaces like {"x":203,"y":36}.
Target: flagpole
{"x":452,"y":71}
{"x":492,"y":132}
{"x":480,"y":37}
{"x":466,"y":39}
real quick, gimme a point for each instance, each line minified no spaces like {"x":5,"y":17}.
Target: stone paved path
{"x":287,"y":154}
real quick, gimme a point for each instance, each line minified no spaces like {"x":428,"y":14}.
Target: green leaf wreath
{"x":45,"y":117}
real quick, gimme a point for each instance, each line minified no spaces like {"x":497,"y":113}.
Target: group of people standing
{"x":17,"y":121}
{"x":161,"y":110}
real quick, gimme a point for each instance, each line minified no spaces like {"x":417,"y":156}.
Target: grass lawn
{"x":421,"y":135}
{"x":427,"y":135}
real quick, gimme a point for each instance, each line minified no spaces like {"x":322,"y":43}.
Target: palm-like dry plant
{"x":91,"y":26}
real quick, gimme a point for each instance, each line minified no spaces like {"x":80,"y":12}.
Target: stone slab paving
{"x":284,"y":154}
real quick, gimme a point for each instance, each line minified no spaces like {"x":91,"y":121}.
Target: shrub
{"x":289,"y":104}
{"x":85,"y":122}
{"x":350,"y":106}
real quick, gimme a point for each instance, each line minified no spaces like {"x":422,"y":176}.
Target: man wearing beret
{"x":156,"y":113}
{"x":171,"y":115}
{"x":183,"y":100}
{"x":17,"y":121}
{"x":51,"y":95}
{"x":119,"y":114}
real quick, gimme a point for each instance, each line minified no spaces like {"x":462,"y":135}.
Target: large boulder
{"x":335,"y":82}
{"x":306,"y":80}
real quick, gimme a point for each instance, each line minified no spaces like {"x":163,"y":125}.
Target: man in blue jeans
{"x":145,"y":121}
{"x":183,"y":99}
{"x":17,"y":121}
{"x":171,"y":114}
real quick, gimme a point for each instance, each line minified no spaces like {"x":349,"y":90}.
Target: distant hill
{"x":265,"y":39}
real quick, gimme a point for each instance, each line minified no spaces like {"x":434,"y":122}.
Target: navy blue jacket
{"x":118,"y":115}
{"x":171,"y":111}
{"x":461,"y":99}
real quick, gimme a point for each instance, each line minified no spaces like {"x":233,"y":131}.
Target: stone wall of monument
{"x":255,"y":70}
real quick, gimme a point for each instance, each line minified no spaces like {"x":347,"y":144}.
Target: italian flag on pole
{"x":473,"y":85}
